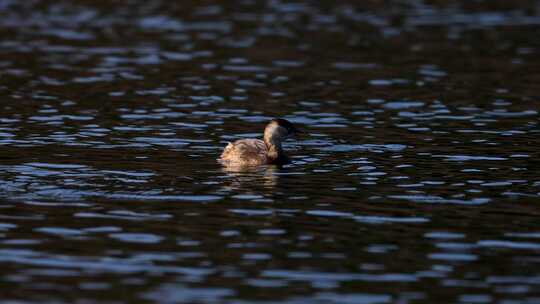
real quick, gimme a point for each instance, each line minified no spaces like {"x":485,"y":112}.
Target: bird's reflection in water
{"x":251,"y":177}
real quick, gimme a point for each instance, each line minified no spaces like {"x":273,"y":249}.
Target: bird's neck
{"x":275,"y":151}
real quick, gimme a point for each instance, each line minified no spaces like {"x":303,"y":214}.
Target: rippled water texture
{"x":416,"y":180}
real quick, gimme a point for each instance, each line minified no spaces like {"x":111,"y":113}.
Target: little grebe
{"x":255,"y":152}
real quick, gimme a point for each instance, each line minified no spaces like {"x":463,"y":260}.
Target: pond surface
{"x":416,"y":180}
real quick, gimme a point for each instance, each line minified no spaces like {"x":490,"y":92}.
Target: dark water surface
{"x":417,"y":180}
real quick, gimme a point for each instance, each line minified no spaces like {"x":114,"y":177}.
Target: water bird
{"x":256,"y":152}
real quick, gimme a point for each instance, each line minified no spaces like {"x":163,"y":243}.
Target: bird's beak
{"x":297,"y":132}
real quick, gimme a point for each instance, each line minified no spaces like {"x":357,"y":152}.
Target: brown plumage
{"x":255,"y":152}
{"x":246,"y":151}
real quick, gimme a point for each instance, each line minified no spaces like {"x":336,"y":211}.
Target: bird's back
{"x":250,"y":152}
